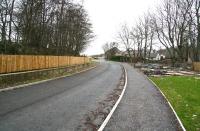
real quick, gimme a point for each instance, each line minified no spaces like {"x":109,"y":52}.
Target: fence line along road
{"x":196,"y":66}
{"x":16,"y":63}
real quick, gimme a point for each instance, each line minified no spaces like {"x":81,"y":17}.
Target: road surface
{"x":61,"y":104}
{"x":57,"y":105}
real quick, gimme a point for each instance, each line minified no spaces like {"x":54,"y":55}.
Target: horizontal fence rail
{"x":17,"y":63}
{"x":196,"y":66}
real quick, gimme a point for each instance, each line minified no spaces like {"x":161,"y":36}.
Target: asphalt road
{"x":57,"y":105}
{"x":142,"y":107}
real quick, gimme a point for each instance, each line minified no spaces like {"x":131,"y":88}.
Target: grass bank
{"x":183,"y":92}
{"x":20,"y":78}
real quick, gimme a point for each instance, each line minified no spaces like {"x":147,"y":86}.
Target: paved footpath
{"x":142,"y":107}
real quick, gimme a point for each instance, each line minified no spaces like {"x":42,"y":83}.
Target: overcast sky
{"x":107,"y":16}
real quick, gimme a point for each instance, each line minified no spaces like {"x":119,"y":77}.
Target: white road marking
{"x":115,"y":106}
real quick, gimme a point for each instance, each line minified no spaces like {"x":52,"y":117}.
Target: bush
{"x":120,"y":58}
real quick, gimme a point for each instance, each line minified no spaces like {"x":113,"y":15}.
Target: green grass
{"x":183,"y":92}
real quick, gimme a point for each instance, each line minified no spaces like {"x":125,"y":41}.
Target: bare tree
{"x":107,"y":47}
{"x":58,"y":27}
{"x":137,"y":38}
{"x":143,"y":35}
{"x":171,"y":26}
{"x":124,"y":37}
{"x":146,"y":31}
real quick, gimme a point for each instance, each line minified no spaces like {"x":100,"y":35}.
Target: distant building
{"x":112,"y":52}
{"x":159,"y":57}
{"x":155,"y":55}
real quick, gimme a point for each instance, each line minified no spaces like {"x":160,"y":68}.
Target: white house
{"x":159,"y":57}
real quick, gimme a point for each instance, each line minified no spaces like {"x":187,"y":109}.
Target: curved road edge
{"x":103,"y":125}
{"x":42,"y":81}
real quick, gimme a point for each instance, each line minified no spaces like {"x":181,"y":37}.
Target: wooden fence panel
{"x":19,"y":60}
{"x":27,"y":61}
{"x":47,"y":61}
{"x":196,"y":66}
{"x":9,"y":64}
{"x":16,"y":63}
{"x":34,"y":62}
{"x":1,"y":64}
{"x":4,"y":66}
{"x":12,"y":64}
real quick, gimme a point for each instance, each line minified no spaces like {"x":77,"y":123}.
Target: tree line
{"x":175,"y":25}
{"x":43,"y":27}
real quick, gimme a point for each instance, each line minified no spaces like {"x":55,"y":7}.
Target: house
{"x":159,"y":57}
{"x":165,"y":53}
{"x":112,"y":52}
{"x":155,"y":55}
{"x":132,"y":53}
{"x":135,"y":54}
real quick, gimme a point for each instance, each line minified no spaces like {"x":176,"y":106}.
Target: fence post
{"x":6,"y":63}
{"x":1,"y":71}
{"x":58,"y":61}
{"x":15,"y":63}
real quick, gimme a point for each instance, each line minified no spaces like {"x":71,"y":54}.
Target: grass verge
{"x":11,"y":80}
{"x":183,"y":92}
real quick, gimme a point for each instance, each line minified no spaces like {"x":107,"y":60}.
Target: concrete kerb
{"x":179,"y":121}
{"x":42,"y":81}
{"x":105,"y":122}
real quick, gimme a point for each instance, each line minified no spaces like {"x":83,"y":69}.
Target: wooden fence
{"x":16,"y":63}
{"x":196,"y":66}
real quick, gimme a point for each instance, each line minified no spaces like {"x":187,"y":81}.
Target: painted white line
{"x":115,"y":106}
{"x":179,"y":121}
{"x":42,"y":81}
